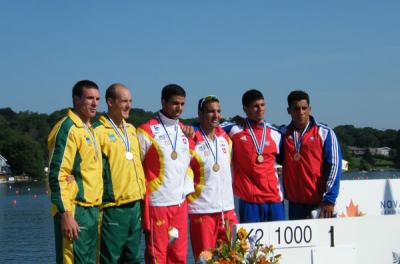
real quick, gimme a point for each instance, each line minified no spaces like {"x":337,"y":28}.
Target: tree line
{"x":23,"y":140}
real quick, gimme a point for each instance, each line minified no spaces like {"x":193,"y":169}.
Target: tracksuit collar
{"x":166,"y":120}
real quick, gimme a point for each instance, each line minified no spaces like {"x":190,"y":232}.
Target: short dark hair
{"x":77,"y":90}
{"x":172,"y":90}
{"x":251,"y":96}
{"x":111,"y":91}
{"x":207,"y":99}
{"x":297,"y":95}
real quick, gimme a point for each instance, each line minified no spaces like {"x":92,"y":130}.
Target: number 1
{"x":332,"y":232}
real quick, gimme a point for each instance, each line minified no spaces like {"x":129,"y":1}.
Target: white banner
{"x":368,"y":197}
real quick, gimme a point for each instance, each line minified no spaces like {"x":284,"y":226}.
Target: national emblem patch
{"x":111,"y":137}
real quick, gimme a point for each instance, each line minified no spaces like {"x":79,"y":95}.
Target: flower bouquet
{"x":243,"y":249}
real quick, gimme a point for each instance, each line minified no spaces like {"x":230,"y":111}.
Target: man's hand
{"x":69,"y":227}
{"x":326,"y":210}
{"x":188,"y":131}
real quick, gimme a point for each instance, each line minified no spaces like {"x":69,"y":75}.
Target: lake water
{"x":26,"y":226}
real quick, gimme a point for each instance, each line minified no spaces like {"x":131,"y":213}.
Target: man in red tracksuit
{"x":256,"y":146}
{"x":312,"y":161}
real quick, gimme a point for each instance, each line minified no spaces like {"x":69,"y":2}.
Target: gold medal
{"x":174,"y":155}
{"x":215,"y":167}
{"x":260,"y":158}
{"x":297,"y":156}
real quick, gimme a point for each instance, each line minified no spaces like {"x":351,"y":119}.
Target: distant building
{"x":357,"y":151}
{"x":5,"y":169}
{"x":384,"y":151}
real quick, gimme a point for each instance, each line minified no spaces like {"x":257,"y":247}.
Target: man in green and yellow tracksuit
{"x":124,"y":182}
{"x":74,"y":150}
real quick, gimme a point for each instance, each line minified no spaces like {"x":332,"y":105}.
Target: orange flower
{"x":267,"y":249}
{"x":235,"y":256}
{"x":206,"y":255}
{"x":262,"y":260}
{"x":226,"y":261}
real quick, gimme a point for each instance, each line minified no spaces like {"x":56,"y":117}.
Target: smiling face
{"x":210,"y":115}
{"x":86,"y":105}
{"x":173,"y":107}
{"x":300,"y":113}
{"x":120,"y":106}
{"x":255,"y":110}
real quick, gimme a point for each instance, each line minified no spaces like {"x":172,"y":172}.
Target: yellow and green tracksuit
{"x":124,"y":189}
{"x":72,"y":152}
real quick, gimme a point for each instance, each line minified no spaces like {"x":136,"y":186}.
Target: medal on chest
{"x":124,"y":137}
{"x":129,"y":155}
{"x":216,"y":166}
{"x":174,"y":154}
{"x":297,"y":142}
{"x":259,"y":147}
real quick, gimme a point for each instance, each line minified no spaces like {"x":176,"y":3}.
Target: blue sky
{"x":346,"y":54}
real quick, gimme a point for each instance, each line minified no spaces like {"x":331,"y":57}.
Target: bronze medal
{"x":297,"y":156}
{"x":174,"y":155}
{"x":260,"y":158}
{"x":215,"y":167}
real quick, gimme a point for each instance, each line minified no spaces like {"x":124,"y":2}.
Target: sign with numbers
{"x":373,"y":239}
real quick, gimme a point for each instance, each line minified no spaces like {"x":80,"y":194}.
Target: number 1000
{"x":296,"y":235}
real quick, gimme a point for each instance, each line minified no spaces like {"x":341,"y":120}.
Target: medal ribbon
{"x":96,"y":147}
{"x":176,"y":132}
{"x":209,"y":146}
{"x":125,"y":140}
{"x":297,"y":140}
{"x":259,"y":148}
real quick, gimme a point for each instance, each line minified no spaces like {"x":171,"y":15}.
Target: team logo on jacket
{"x":88,"y":140}
{"x":290,"y":137}
{"x":184,"y":140}
{"x":111,"y":137}
{"x":155,"y":130}
{"x":267,"y":143}
{"x":224,"y":150}
{"x":312,"y":138}
{"x":244,"y":138}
